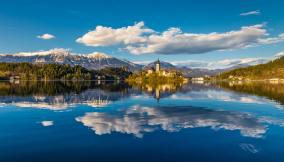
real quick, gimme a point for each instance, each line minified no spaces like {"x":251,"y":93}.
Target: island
{"x":156,"y":76}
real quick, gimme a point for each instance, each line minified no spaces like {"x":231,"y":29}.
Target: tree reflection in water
{"x":271,"y":91}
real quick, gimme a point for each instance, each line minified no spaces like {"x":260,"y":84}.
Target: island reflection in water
{"x":184,"y":120}
{"x":68,"y":93}
{"x":138,"y":119}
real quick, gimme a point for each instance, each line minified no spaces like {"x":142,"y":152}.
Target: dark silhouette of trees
{"x":28,"y":71}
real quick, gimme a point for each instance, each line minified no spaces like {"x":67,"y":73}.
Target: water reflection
{"x":190,"y":119}
{"x":249,"y":148}
{"x":138,"y":120}
{"x":217,"y":94}
{"x":268,"y":90}
{"x":159,"y":91}
{"x":62,"y":95}
{"x":47,"y":123}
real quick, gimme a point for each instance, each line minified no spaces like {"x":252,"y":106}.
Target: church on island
{"x":161,"y":72}
{"x":156,"y":74}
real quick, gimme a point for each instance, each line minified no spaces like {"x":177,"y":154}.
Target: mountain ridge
{"x":272,"y":69}
{"x":98,"y":60}
{"x":93,"y":61}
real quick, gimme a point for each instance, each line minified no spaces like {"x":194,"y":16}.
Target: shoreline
{"x":57,"y":80}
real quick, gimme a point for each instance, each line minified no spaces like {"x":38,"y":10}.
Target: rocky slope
{"x":92,"y":61}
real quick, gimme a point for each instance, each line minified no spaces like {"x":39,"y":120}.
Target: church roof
{"x":157,"y":62}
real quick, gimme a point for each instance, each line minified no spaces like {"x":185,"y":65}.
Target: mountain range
{"x":92,"y":61}
{"x":193,"y":72}
{"x":97,"y":61}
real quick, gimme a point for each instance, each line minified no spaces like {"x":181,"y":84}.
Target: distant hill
{"x":164,"y":65}
{"x":93,"y":61}
{"x":199,"y":72}
{"x":98,"y":61}
{"x":29,"y":71}
{"x":272,"y":69}
{"x":192,"y":72}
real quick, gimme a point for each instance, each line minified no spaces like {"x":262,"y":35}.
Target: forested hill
{"x":28,"y":71}
{"x":272,"y":69}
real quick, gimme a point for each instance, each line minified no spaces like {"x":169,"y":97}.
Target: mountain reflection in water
{"x":78,"y":121}
{"x":61,"y":95}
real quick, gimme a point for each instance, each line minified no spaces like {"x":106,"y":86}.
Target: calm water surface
{"x":88,"y":121}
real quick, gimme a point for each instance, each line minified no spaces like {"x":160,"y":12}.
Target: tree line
{"x":29,"y":71}
{"x":155,"y":78}
{"x":272,"y":69}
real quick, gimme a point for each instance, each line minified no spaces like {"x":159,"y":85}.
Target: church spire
{"x":158,"y":65}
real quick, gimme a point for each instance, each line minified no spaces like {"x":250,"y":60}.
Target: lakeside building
{"x":161,"y":72}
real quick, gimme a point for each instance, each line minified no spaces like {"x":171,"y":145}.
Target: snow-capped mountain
{"x":96,"y":60}
{"x":91,"y":61}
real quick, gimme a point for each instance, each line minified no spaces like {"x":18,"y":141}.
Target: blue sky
{"x":21,"y":22}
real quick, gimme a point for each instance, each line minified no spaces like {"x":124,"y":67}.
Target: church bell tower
{"x":158,"y":66}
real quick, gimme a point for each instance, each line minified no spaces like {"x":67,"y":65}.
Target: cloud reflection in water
{"x":139,"y":120}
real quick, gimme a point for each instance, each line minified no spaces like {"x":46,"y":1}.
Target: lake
{"x":100,"y":121}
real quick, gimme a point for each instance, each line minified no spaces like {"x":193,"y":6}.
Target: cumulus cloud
{"x":174,"y":41}
{"x":106,"y":36}
{"x":138,"y":39}
{"x":46,"y":36}
{"x":256,"y":12}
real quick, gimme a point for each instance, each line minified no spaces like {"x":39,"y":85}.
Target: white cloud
{"x":174,"y":41}
{"x":138,"y":39}
{"x":47,"y":123}
{"x":59,"y":51}
{"x":142,"y":62}
{"x":280,"y":54}
{"x":46,"y":36}
{"x":256,"y":12}
{"x":55,"y":51}
{"x":106,"y":36}
{"x":272,"y":40}
{"x":221,"y":64}
{"x":226,"y":63}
